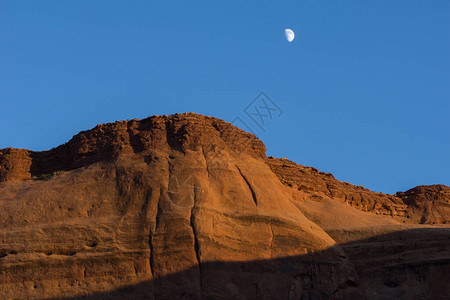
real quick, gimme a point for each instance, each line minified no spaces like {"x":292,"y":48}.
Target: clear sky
{"x":364,"y":88}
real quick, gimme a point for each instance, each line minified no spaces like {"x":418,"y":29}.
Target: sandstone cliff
{"x":423,"y":204}
{"x":187,"y":206}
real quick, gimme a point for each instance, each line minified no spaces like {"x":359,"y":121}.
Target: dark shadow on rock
{"x":409,"y":264}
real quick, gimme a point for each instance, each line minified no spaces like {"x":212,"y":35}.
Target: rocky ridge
{"x":422,"y":204}
{"x":188,"y":206}
{"x":107,"y":141}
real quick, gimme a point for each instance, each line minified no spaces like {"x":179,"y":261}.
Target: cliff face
{"x":150,"y":200}
{"x":106,"y":141}
{"x":15,"y":164}
{"x":428,"y":204}
{"x":394,"y":256}
{"x":187,"y":206}
{"x":423,"y":204}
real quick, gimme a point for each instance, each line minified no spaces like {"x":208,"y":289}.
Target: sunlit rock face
{"x":188,"y":206}
{"x":183,"y":205}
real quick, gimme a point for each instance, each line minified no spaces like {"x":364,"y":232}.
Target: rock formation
{"x":188,"y":206}
{"x":422,"y":204}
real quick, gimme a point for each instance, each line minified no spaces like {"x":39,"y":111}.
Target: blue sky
{"x":364,"y":87}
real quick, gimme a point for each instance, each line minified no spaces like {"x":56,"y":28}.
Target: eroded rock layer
{"x":178,"y":206}
{"x":423,"y":204}
{"x":188,"y":206}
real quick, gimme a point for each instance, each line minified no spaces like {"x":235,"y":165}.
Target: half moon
{"x":289,"y":34}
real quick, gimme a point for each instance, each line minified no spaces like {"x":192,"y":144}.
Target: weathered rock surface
{"x":166,"y":200}
{"x":394,"y":255}
{"x":187,"y":206}
{"x":423,"y":204}
{"x":407,"y":262}
{"x":428,"y":204}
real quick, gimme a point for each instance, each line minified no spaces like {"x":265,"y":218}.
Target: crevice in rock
{"x":160,"y":197}
{"x":145,"y":206}
{"x":206,"y":163}
{"x":271,"y":238}
{"x":152,"y":255}
{"x":134,"y":139}
{"x":152,"y":232}
{"x":329,"y":190}
{"x":249,"y":186}
{"x":144,"y":219}
{"x":158,"y":210}
{"x":175,"y":137}
{"x":196,"y":243}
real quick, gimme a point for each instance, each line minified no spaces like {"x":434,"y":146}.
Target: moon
{"x":289,"y":34}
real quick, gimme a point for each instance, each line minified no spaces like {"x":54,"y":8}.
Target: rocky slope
{"x":394,"y":254}
{"x":187,"y":206}
{"x":422,"y":204}
{"x":146,"y":200}
{"x":429,"y":203}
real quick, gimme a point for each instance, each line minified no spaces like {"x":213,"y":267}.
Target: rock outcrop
{"x":423,"y":204}
{"x":187,"y":206}
{"x":167,"y":200}
{"x":428,"y":204}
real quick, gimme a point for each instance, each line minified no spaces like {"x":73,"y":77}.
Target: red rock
{"x":187,"y":206}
